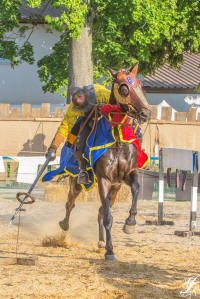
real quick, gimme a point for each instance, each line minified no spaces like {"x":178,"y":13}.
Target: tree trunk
{"x":80,"y":60}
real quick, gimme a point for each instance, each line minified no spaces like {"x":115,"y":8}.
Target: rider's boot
{"x":83,"y":177}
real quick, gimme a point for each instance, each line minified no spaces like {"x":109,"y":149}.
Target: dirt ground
{"x":151,"y":263}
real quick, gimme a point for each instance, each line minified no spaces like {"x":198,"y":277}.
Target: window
{"x":4,"y":61}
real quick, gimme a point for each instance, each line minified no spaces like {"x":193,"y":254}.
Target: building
{"x":167,"y":87}
{"x":175,"y":88}
{"x":22,"y":84}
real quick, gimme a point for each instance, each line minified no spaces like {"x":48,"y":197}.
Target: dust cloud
{"x":43,"y":224}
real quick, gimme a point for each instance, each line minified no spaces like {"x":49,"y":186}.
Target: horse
{"x":118,"y":164}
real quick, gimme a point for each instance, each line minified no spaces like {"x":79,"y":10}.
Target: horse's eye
{"x":123,"y":90}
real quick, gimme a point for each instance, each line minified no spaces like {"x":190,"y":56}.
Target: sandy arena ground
{"x":151,"y":263}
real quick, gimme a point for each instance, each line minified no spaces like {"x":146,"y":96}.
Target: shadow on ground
{"x":140,"y":281}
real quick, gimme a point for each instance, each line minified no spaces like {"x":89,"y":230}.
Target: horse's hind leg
{"x":74,"y":191}
{"x":130,"y":221}
{"x":112,"y":196}
{"x":104,"y":187}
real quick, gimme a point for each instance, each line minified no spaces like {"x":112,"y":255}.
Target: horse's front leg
{"x":101,"y":243}
{"x":74,"y":191}
{"x":104,"y":186}
{"x":135,"y":187}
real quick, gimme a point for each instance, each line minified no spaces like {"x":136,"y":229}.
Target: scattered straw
{"x":58,"y":192}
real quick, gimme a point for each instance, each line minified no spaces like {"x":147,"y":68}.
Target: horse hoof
{"x":109,"y":257}
{"x":101,"y":244}
{"x":63,"y":225}
{"x":129,"y":229}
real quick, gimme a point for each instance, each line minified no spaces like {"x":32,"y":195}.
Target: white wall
{"x":22,"y":84}
{"x":180,"y":102}
{"x":159,"y":111}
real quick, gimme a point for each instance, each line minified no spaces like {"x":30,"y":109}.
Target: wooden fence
{"x":166,"y":115}
{"x":44,"y":111}
{"x":26,"y":112}
{"x":29,"y":131}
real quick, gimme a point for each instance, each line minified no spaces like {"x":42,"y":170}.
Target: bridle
{"x":131,"y":106}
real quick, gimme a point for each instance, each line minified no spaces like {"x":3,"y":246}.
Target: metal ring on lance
{"x":26,"y":196}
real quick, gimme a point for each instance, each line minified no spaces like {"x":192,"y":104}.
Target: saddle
{"x":177,"y":179}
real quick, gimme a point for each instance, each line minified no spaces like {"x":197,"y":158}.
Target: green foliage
{"x":149,"y":31}
{"x":53,"y":68}
{"x":124,"y":32}
{"x":9,"y":20}
{"x":70,"y":22}
{"x":198,"y":88}
{"x":72,"y":18}
{"x":33,"y":3}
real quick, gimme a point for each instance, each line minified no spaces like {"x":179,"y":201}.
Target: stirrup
{"x":83,"y":177}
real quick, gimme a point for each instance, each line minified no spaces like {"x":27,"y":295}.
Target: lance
{"x":50,"y":157}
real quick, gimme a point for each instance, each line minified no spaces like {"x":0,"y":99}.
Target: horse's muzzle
{"x":144,"y":115}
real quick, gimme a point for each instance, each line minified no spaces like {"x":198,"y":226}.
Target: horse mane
{"x":112,"y":99}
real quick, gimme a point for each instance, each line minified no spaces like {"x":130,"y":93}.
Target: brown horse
{"x":118,"y":164}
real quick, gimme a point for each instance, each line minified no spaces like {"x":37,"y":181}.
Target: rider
{"x":83,"y":100}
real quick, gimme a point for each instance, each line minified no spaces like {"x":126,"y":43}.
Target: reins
{"x":146,"y":128}
{"x":93,"y":111}
{"x":87,"y":119}
{"x":94,"y":125}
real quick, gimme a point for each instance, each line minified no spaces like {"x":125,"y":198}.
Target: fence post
{"x":180,"y":116}
{"x":46,"y":110}
{"x":154,"y":112}
{"x":26,"y":110}
{"x":166,"y":113}
{"x":193,"y":207}
{"x":192,"y":114}
{"x":4,"y":111}
{"x":35,"y":112}
{"x":161,"y":188}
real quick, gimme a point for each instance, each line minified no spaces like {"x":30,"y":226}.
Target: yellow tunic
{"x":102,"y":95}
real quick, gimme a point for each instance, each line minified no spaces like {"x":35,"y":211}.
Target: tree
{"x":9,"y":20}
{"x":150,"y":32}
{"x":72,"y":25}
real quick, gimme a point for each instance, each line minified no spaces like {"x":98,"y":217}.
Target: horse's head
{"x":127,"y":91}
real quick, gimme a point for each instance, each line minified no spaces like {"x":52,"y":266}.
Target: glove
{"x":58,"y":139}
{"x":52,"y":149}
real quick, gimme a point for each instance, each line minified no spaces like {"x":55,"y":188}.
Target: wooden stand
{"x":193,"y":206}
{"x":181,"y":233}
{"x":160,"y":220}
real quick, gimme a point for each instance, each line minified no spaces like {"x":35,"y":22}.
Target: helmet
{"x":75,"y":91}
{"x":86,"y":106}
